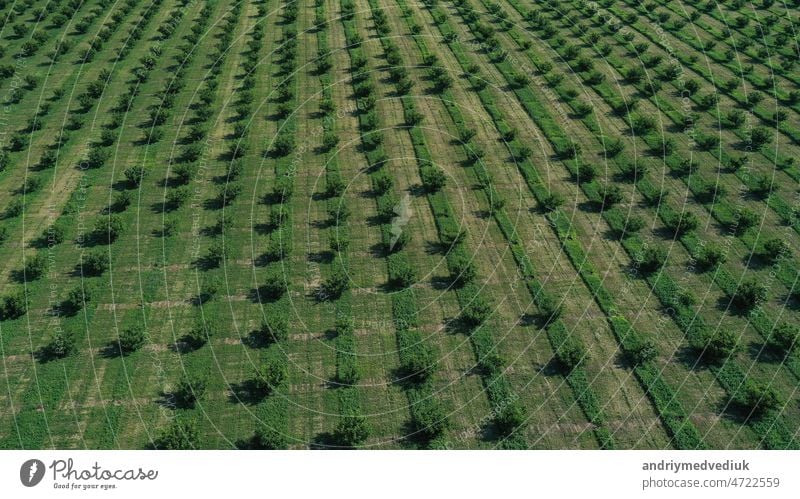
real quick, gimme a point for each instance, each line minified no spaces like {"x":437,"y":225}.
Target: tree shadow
{"x":766,"y":352}
{"x":112,"y":350}
{"x":46,"y":354}
{"x":167,"y":401}
{"x":247,"y":393}
{"x":326,"y":441}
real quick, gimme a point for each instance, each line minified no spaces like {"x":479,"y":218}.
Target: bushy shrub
{"x":584,"y":173}
{"x":610,"y":195}
{"x":642,"y":124}
{"x":383,"y":182}
{"x":398,"y":241}
{"x":550,"y":309}
{"x":329,"y":141}
{"x":284,"y":144}
{"x":228,"y":194}
{"x":279,"y":216}
{"x":335,"y":187}
{"x":419,"y":362}
{"x":181,"y":434}
{"x":270,"y":437}
{"x":338,"y":241}
{"x":184,"y":172}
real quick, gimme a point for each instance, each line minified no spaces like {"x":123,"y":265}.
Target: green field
{"x":391,"y":224}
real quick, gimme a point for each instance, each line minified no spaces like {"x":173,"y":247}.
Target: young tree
{"x":274,"y":328}
{"x":271,"y":374}
{"x":217,"y":253}
{"x":433,"y":178}
{"x":336,"y":284}
{"x":121,"y":202}
{"x":75,"y":300}
{"x":131,"y":339}
{"x":715,"y":345}
{"x":274,"y":285}
{"x":510,"y":417}
{"x":189,"y":390}
{"x":96,"y":158}
{"x":683,"y":223}
{"x":786,"y":337}
{"x":759,"y":137}
{"x":201,"y":332}
{"x":177,"y":197}
{"x":552,"y":201}
{"x":352,"y":430}
{"x":419,"y":362}
{"x":476,"y":312}
{"x":108,"y":230}
{"x":640,"y":351}
{"x":651,"y":258}
{"x":35,"y":267}
{"x":711,"y":256}
{"x":181,"y":434}
{"x":401,"y":273}
{"x":757,"y":397}
{"x":462,"y":270}
{"x":95,"y":263}
{"x":429,"y":418}
{"x":775,"y":249}
{"x":270,"y":437}
{"x":13,"y":305}
{"x":749,"y":295}
{"x":61,"y":345}
{"x":747,"y":219}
